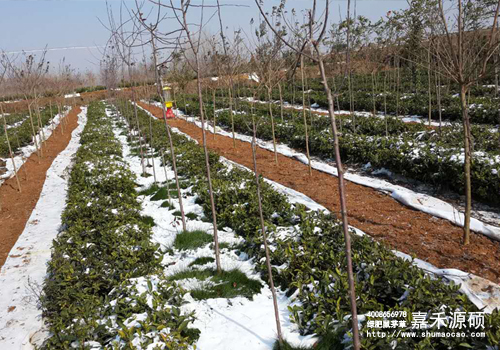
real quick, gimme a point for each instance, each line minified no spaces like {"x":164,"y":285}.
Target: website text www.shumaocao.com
{"x":443,"y":324}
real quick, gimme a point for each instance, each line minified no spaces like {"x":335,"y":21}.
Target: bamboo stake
{"x":304,"y":115}
{"x":169,"y":135}
{"x":264,"y":236}
{"x":166,"y":176}
{"x":215,"y":114}
{"x":272,"y":126}
{"x":33,"y":131}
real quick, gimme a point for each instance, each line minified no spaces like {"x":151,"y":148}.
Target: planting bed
{"x":412,"y":150}
{"x":312,"y":280}
{"x":17,"y":207}
{"x":124,"y":274}
{"x":483,"y":101}
{"x":31,"y":220}
{"x":413,"y":232}
{"x":20,"y":130}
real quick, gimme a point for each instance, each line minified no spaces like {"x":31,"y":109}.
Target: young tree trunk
{"x":281,"y":101}
{"x":272,"y":125}
{"x":151,"y":139}
{"x":173,"y":92}
{"x":351,"y":101}
{"x":40,"y":128}
{"x":309,"y":108}
{"x":398,"y":83}
{"x":304,"y":114}
{"x":52,"y":122}
{"x":238,"y":95}
{"x":337,"y":100}
{"x":373,"y":94}
{"x":429,"y":83}
{"x":151,"y":143}
{"x":139,"y":135}
{"x":385,"y":104}
{"x":438,"y":97}
{"x":231,"y":114}
{"x":10,"y":149}
{"x":215,"y":114}
{"x":467,"y":163}
{"x":185,"y":104}
{"x":130,"y":129}
{"x":59,"y":109}
{"x":171,"y":143}
{"x":264,"y":235}
{"x":497,"y":93}
{"x":205,"y":148}
{"x":33,"y":131}
{"x":43,"y":138}
{"x":207,"y":165}
{"x":166,"y":175}
{"x":174,"y":165}
{"x":343,"y":205}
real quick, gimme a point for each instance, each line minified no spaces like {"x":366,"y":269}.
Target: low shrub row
{"x":90,"y":89}
{"x":309,"y":260}
{"x":12,"y":120}
{"x":21,"y":135}
{"x":484,"y":105}
{"x":105,"y":286}
{"x":410,"y":149}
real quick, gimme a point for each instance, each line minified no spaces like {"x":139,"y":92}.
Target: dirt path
{"x":413,"y":232}
{"x":17,"y":207}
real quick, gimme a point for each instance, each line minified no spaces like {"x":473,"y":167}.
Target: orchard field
{"x":306,"y":182}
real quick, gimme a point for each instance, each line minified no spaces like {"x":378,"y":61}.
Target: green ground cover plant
{"x":104,"y":269}
{"x":228,"y":284}
{"x":311,"y":258}
{"x":192,"y":239}
{"x":409,"y":149}
{"x":21,"y":135}
{"x":413,"y":100}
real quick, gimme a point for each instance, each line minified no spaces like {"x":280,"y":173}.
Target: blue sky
{"x":33,"y":24}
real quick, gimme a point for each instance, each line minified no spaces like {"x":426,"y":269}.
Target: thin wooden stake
{"x":10,"y":150}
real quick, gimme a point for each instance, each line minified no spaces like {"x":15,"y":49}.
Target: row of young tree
{"x":33,"y":76}
{"x":28,"y":77}
{"x":456,"y":44}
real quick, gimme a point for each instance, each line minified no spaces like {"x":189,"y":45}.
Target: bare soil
{"x":84,"y":99}
{"x":17,"y":206}
{"x":383,"y":218}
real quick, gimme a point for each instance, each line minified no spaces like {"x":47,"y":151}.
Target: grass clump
{"x":167,"y":204}
{"x":202,"y":261}
{"x":227,"y":284}
{"x":182,"y":184}
{"x":162,"y":194}
{"x":148,"y":220}
{"x":192,"y":239}
{"x":192,"y":216}
{"x":149,"y":190}
{"x":223,"y":245}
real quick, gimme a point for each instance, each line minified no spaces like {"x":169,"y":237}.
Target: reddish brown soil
{"x":84,"y":99}
{"x":17,"y":206}
{"x":383,"y":218}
